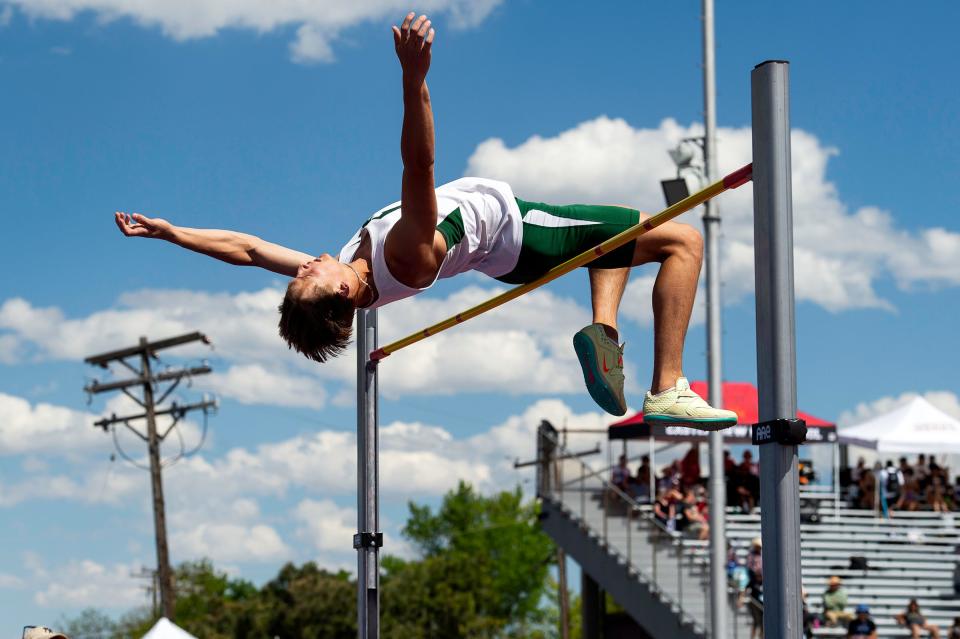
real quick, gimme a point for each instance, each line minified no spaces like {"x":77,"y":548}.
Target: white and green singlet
{"x":488,"y":229}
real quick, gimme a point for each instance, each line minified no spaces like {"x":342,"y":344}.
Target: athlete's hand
{"x":413,"y":40}
{"x":137,"y":225}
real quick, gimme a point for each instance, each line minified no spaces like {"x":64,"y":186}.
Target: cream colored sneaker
{"x":680,"y":405}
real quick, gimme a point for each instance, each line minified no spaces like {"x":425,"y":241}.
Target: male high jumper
{"x":475,"y":224}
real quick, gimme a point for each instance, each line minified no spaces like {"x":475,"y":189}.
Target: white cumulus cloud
{"x":223,"y":542}
{"x":521,"y":348}
{"x":82,"y":583}
{"x":318,"y":24}
{"x":840,"y":253}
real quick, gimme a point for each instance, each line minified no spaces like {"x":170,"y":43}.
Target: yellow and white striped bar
{"x":732,"y":181}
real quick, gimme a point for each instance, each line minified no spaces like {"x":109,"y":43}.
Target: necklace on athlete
{"x":359,"y":279}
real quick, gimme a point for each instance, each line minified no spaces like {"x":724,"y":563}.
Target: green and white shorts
{"x":554,"y":234}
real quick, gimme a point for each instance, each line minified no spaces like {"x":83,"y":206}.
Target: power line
{"x":149,"y":383}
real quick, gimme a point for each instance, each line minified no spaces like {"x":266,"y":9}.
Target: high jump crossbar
{"x":737,"y":178}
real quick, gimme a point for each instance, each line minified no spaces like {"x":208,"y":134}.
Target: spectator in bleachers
{"x":920,"y":471}
{"x":620,"y":476}
{"x":748,"y":466}
{"x":665,"y":509}
{"x":642,"y":480}
{"x":671,"y":477}
{"x":853,"y":487}
{"x":754,"y":591}
{"x":937,"y":494}
{"x":809,"y":618}
{"x":729,"y":463}
{"x":914,"y":620}
{"x":904,"y":466}
{"x":910,"y":497}
{"x":736,"y":571}
{"x":862,"y":626}
{"x":868,"y":488}
{"x":954,"y":632}
{"x":690,"y":467}
{"x":755,"y":563}
{"x":858,"y":471}
{"x":835,"y":603}
{"x":891,"y":483}
{"x":690,"y":521}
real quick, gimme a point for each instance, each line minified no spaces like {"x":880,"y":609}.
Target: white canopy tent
{"x":166,"y":629}
{"x":916,"y":427}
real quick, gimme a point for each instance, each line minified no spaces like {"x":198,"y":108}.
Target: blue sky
{"x":283,"y":120}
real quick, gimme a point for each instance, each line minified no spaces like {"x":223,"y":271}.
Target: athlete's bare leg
{"x":679,"y":250}
{"x":606,"y":291}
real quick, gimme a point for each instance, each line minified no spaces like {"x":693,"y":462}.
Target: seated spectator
{"x":690,"y":521}
{"x":728,"y":463}
{"x":920,"y":470}
{"x":690,"y":467}
{"x":954,"y":632}
{"x":835,"y":603}
{"x":755,"y":565}
{"x":744,"y":499}
{"x":862,"y":626}
{"x":665,"y":510}
{"x":41,"y":632}
{"x":748,"y":466}
{"x":910,"y":497}
{"x":809,"y":618}
{"x":620,"y":475}
{"x":859,"y":470}
{"x":914,"y":620}
{"x":937,"y":495}
{"x":868,"y":490}
{"x":736,"y":571}
{"x":642,"y":480}
{"x":754,"y":591}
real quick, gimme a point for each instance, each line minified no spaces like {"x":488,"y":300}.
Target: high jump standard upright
{"x":776,"y":361}
{"x":779,"y":431}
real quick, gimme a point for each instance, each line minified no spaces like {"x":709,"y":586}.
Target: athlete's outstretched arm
{"x":240,"y":249}
{"x":415,"y":230}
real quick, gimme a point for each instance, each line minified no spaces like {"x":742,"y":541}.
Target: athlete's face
{"x":324,"y":275}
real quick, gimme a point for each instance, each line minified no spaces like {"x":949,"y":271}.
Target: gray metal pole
{"x":776,"y":347}
{"x":368,"y":525}
{"x":711,"y":233}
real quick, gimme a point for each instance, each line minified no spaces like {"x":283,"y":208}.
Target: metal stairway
{"x":659,"y":580}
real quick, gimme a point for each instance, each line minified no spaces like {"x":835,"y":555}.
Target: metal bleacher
{"x":910,"y":555}
{"x":661,"y":579}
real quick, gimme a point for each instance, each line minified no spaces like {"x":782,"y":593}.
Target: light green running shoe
{"x":602,"y":362}
{"x":680,"y":405}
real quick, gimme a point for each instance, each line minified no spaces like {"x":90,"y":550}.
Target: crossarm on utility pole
{"x":732,"y":181}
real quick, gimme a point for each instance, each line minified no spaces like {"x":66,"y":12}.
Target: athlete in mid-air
{"x":475,"y":224}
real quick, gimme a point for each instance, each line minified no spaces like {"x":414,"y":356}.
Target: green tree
{"x":482,"y":573}
{"x":90,"y":624}
{"x":307,"y":602}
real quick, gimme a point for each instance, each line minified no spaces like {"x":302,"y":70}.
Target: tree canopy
{"x":480,"y":570}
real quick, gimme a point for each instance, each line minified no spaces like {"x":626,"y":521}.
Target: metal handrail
{"x":658,"y":534}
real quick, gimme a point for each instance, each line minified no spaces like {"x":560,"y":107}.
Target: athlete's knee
{"x":688,"y":241}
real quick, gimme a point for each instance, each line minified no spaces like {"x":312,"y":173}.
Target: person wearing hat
{"x":862,"y":626}
{"x":41,"y":632}
{"x":835,"y":603}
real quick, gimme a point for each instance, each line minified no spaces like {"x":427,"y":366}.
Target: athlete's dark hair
{"x":317,"y":324}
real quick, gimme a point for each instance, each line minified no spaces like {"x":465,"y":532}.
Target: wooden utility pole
{"x":145,"y":378}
